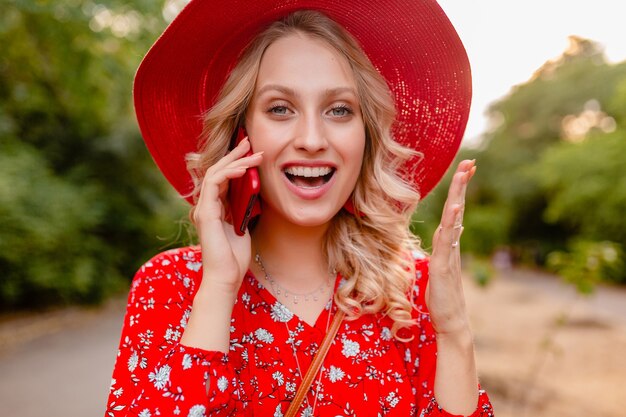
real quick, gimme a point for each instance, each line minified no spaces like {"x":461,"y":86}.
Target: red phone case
{"x":243,"y":194}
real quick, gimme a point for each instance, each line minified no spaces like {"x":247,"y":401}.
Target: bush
{"x":587,"y":263}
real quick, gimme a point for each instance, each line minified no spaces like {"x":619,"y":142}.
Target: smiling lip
{"x":309,"y":193}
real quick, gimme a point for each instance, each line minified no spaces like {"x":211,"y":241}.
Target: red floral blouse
{"x":365,"y":373}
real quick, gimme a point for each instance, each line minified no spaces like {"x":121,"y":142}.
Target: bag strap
{"x":316,"y":363}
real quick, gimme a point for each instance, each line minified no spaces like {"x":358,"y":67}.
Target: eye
{"x":278,"y":110}
{"x":340,"y":111}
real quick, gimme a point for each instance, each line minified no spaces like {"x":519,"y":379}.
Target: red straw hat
{"x":411,"y":42}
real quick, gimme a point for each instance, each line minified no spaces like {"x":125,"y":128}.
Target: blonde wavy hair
{"x":372,"y":249}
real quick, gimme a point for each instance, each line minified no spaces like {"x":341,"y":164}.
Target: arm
{"x":153,"y":371}
{"x":455,"y":379}
{"x":436,"y":366}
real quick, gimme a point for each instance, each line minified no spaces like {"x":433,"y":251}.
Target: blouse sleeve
{"x":156,"y":375}
{"x":421,"y":356}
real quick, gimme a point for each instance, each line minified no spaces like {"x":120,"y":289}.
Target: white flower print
{"x":145,"y":413}
{"x":187,"y":361}
{"x":185,"y":318}
{"x":177,"y":411}
{"x":350,"y":348}
{"x":145,"y":337}
{"x":278,"y":412}
{"x":407,"y":355}
{"x":133,"y":361}
{"x":245,"y":297}
{"x":222,"y":383}
{"x":161,"y":377}
{"x":335,"y":374}
{"x":264,"y":336}
{"x":186,"y":282}
{"x":278,"y":377}
{"x":118,"y":392}
{"x":281,"y":313}
{"x":194,"y":266}
{"x":392,"y":399}
{"x":385,"y":333}
{"x":308,"y":412}
{"x":172,"y":335}
{"x":290,"y":387}
{"x":197,"y":411}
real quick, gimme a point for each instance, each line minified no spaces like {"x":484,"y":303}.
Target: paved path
{"x":59,"y":364}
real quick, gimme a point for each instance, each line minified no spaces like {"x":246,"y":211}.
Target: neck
{"x":292,"y":254}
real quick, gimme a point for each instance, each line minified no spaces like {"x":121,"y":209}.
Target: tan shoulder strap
{"x":318,"y":359}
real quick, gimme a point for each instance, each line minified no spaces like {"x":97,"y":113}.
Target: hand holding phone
{"x":243,"y":192}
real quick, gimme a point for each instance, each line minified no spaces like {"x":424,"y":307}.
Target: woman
{"x":232,"y":326}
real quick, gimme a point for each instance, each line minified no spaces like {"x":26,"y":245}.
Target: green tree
{"x":550,"y":170}
{"x":81,"y":203}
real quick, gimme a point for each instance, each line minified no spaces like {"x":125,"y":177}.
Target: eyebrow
{"x":291,"y":92}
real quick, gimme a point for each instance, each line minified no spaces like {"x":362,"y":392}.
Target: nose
{"x":311,"y":135}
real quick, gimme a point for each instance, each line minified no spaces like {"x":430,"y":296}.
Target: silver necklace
{"x":295,"y":355}
{"x":291,"y":336}
{"x":322,"y":290}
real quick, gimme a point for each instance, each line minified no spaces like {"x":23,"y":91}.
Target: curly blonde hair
{"x":373,"y":248}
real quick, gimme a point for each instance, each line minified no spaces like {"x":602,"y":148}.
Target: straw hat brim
{"x":411,"y":42}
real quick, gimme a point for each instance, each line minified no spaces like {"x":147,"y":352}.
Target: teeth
{"x":308,"y":172}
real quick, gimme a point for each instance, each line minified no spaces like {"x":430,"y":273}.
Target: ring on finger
{"x":455,"y":244}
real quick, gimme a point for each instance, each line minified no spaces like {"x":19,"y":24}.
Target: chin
{"x":312,"y":217}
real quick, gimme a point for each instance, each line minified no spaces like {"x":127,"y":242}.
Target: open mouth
{"x":309,"y":177}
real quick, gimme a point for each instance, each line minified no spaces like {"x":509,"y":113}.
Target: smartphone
{"x":243,"y":192}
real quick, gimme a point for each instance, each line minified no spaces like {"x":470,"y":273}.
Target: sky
{"x":507,"y":41}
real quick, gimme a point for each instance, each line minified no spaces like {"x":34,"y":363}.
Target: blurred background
{"x":82,"y":205}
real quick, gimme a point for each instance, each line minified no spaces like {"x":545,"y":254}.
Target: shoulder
{"x":175,"y":269}
{"x":188,"y":257}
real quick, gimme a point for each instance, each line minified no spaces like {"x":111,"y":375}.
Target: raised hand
{"x":445,"y":298}
{"x":225,"y":256}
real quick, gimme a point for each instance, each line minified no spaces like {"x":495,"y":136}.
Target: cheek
{"x":354,"y":154}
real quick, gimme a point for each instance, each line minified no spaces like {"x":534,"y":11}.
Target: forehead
{"x":300,"y":61}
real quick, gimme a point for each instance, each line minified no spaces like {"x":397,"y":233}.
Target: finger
{"x":447,"y":233}
{"x":212,"y":185}
{"x":456,"y":192}
{"x":458,"y":189}
{"x":237,"y":152}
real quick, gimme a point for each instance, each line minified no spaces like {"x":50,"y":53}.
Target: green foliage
{"x":81,"y":202}
{"x":47,"y":250}
{"x":551,"y":169}
{"x":587,"y":186}
{"x":587,"y":263}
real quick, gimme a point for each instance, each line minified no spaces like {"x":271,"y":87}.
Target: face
{"x":305,"y":116}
